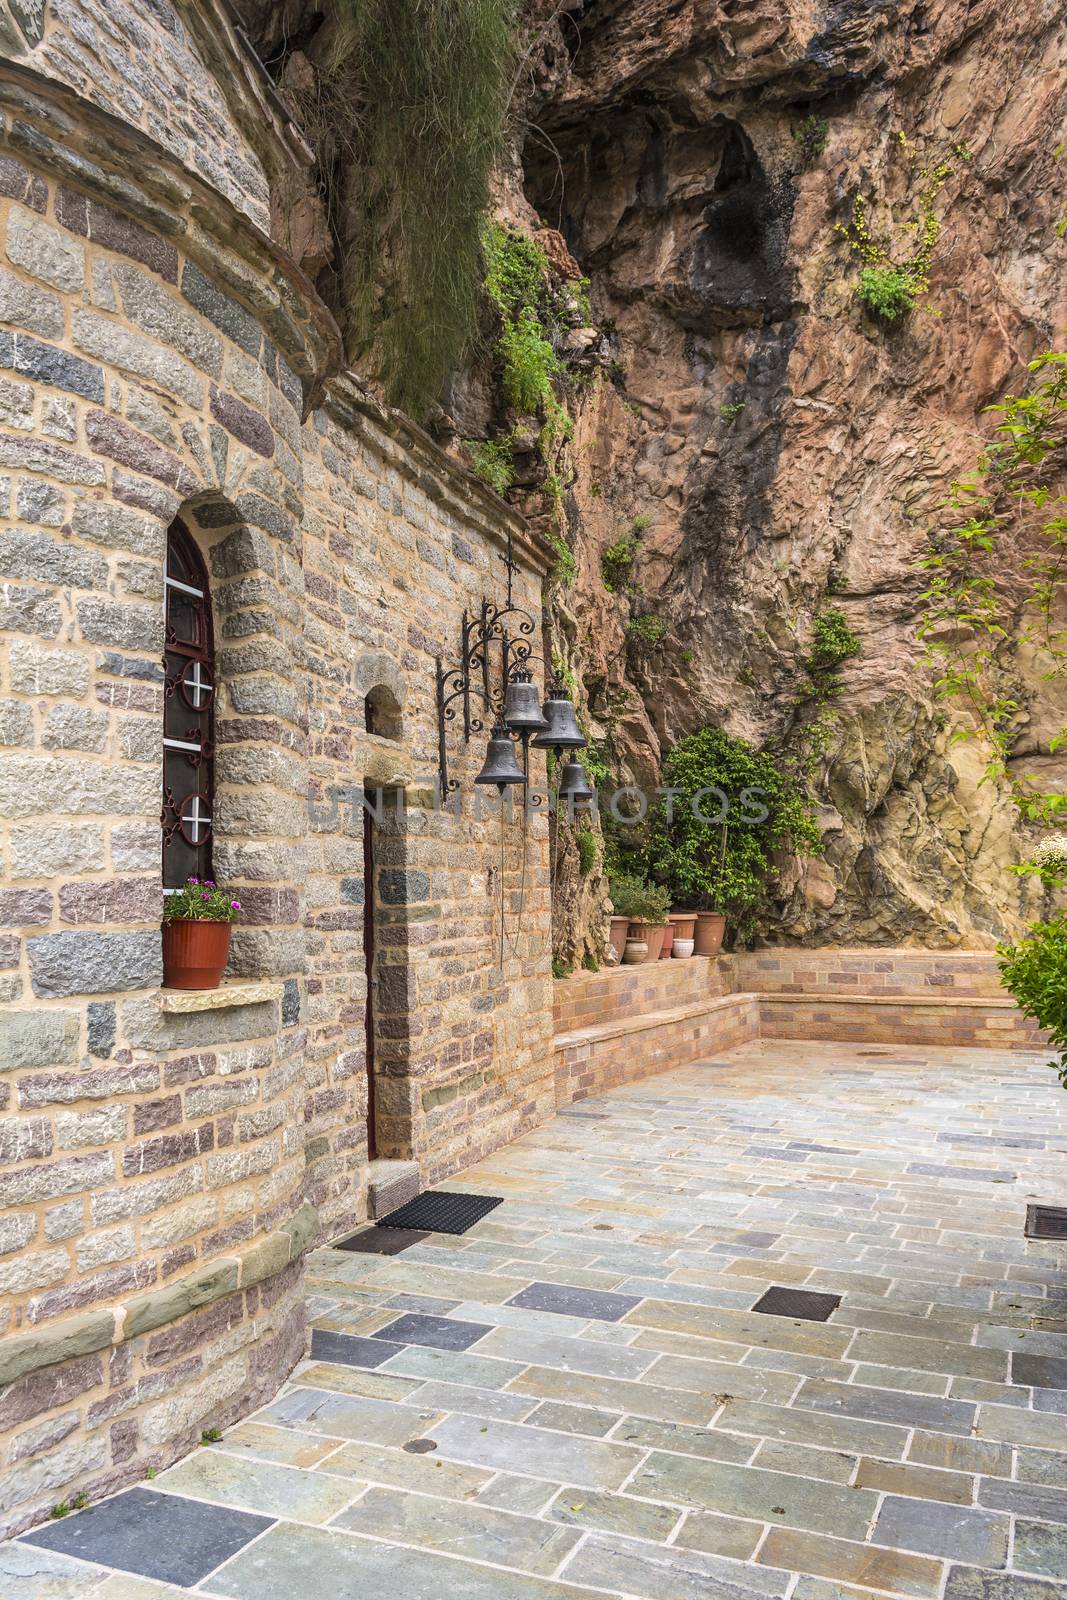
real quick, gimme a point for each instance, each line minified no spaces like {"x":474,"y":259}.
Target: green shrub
{"x":811,"y":136}
{"x":201,"y":901}
{"x":644,"y":633}
{"x":530,"y":363}
{"x":617,"y":563}
{"x":1035,"y":972}
{"x":590,"y":962}
{"x":723,"y":862}
{"x":493,"y":460}
{"x":887,"y":291}
{"x":560,"y":969}
{"x":639,"y":900}
{"x":833,"y":641}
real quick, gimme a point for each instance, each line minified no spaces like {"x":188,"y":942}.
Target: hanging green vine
{"x":423,"y":89}
{"x":974,"y":596}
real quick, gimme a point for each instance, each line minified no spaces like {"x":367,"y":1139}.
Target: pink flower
{"x":192,"y":880}
{"x":205,"y":897}
{"x":209,"y":883}
{"x":236,"y":904}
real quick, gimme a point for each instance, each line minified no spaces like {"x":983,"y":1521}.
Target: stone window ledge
{"x":238,"y":992}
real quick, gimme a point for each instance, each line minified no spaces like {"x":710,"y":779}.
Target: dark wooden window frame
{"x":188,"y":712}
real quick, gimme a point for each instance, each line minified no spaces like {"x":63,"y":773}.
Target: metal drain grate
{"x":805,"y":1303}
{"x":440,"y":1211}
{"x":1046,"y":1222}
{"x":381,"y":1241}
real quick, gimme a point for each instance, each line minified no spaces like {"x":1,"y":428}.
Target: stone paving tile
{"x":452,"y":1366}
{"x":474,"y":1402}
{"x":886,"y":1405}
{"x":713,"y":1377}
{"x":1040,"y":1549}
{"x":1042,"y":1466}
{"x":569,"y":1355}
{"x":645,"y":1399}
{"x":705,"y":1443}
{"x":922,"y":1483}
{"x":775,"y":1497}
{"x":893,"y":1570}
{"x":803,"y":1427}
{"x":440,"y":1333}
{"x":272,"y":1490}
{"x":1025,"y":1499}
{"x":374,"y":1385}
{"x":284,"y":1445}
{"x":538,"y":1451}
{"x":960,"y":1455}
{"x":808,"y":1463}
{"x":573,"y":1419}
{"x":295,"y":1561}
{"x":970,"y":1583}
{"x":349,"y":1350}
{"x":718,"y":1536}
{"x":613,"y":1513}
{"x":936,"y":1529}
{"x":396,"y":1469}
{"x":667,"y":1574}
{"x":574,"y":1302}
{"x":509,"y":1492}
{"x":478,"y":1532}
{"x":348,"y":1416}
{"x":900,"y":1378}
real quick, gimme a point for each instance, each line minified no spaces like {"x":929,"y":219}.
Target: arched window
{"x":188,"y":713}
{"x":381,"y":712}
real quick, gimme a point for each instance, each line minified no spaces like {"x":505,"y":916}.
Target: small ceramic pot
{"x":617,"y":935}
{"x":682,"y":949}
{"x":668,"y":941}
{"x":194,"y":953}
{"x":683,"y":923}
{"x":654,"y":940}
{"x":711,"y":925}
{"x":636,"y":949}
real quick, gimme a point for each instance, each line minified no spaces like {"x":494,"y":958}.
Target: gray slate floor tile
{"x":935,"y":1529}
{"x":351,"y":1349}
{"x":440,"y":1333}
{"x":156,"y":1535}
{"x":594,"y":1303}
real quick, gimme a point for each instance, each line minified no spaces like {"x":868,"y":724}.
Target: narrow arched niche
{"x":381,"y":713}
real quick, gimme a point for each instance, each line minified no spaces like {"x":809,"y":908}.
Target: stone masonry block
{"x":36,"y":670}
{"x":44,"y":251}
{"x":94,"y":963}
{"x":37,"y":1038}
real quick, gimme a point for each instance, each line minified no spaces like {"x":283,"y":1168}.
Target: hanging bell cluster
{"x":562,"y":731}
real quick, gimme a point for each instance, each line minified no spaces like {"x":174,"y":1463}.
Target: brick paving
{"x":576,"y":1397}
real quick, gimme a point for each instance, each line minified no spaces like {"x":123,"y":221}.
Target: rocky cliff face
{"x":766,"y":445}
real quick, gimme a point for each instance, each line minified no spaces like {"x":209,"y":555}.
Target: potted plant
{"x":196,"y":934}
{"x":645,"y":907}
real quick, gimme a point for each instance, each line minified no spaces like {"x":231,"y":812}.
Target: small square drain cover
{"x":440,"y":1211}
{"x":1046,"y":1222}
{"x":380,"y":1241}
{"x":779,"y":1302}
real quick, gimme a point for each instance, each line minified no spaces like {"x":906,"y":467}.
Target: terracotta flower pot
{"x":683,"y":923}
{"x":711,"y":925}
{"x":682,"y":949}
{"x":654,"y":940}
{"x":194,"y":953}
{"x":668,"y":941}
{"x":617,"y":936}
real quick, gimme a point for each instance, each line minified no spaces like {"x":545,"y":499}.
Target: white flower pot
{"x":681,"y":949}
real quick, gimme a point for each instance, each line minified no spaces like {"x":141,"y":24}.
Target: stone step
{"x":391,"y":1184}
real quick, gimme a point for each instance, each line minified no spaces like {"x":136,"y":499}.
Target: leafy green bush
{"x":887,"y":291}
{"x":644,"y":633}
{"x":833,"y":641}
{"x":530,"y":363}
{"x":811,"y":136}
{"x":1035,"y":972}
{"x":715,"y":849}
{"x":493,"y":460}
{"x":639,"y":900}
{"x":617,"y":563}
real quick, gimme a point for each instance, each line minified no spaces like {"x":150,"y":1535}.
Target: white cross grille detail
{"x":193,"y":818}
{"x":196,"y":685}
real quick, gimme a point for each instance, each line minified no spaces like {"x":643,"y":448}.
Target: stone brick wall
{"x":158,"y":356}
{"x":143,"y":64}
{"x":393,"y":555}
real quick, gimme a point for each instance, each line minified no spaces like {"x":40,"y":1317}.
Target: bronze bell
{"x":575,"y":790}
{"x":500,"y":767}
{"x":522,"y":706}
{"x":563,"y":732}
